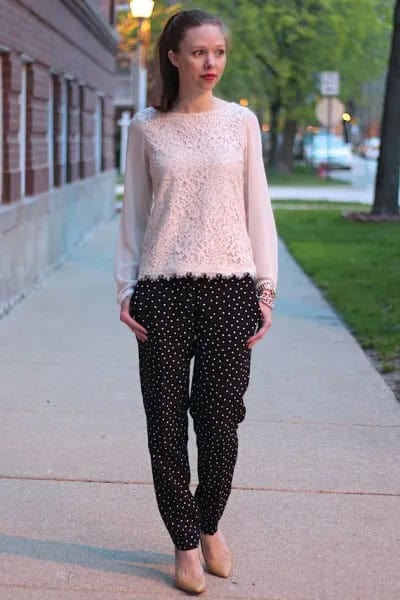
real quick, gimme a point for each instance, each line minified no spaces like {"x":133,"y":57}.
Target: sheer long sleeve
{"x":135,"y":211}
{"x":261,"y":225}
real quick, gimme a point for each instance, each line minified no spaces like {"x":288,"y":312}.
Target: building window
{"x":22,"y":130}
{"x":98,"y":134}
{"x":50,"y":132}
{"x":68,"y":135}
{"x":1,"y":130}
{"x":81,"y":136}
{"x":111,"y":16}
{"x":64,"y":130}
{"x":78,"y":134}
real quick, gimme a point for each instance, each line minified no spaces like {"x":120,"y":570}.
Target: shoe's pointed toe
{"x":220,"y":566}
{"x":186,"y":583}
{"x":194,"y":585}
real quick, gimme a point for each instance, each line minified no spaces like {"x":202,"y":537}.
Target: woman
{"x":196,"y":273}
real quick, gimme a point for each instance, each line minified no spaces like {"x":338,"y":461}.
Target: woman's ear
{"x":171,"y":58}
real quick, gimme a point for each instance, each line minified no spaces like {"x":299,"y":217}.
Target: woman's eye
{"x":197,"y":52}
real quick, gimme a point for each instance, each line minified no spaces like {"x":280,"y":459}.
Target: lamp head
{"x":141,"y":9}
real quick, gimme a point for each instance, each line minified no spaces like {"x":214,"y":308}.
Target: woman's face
{"x":202,"y":52}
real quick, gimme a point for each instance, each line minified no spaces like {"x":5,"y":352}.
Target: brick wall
{"x":56,"y":184}
{"x":52,"y":37}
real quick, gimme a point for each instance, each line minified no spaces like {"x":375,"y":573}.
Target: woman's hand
{"x":138,"y":329}
{"x":266,"y":312}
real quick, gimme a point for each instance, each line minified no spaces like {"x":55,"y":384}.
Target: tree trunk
{"x":387,"y":178}
{"x":273,"y":153}
{"x":285,"y":165}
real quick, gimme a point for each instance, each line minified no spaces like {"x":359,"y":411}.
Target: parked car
{"x":316,"y":148}
{"x":370,"y":148}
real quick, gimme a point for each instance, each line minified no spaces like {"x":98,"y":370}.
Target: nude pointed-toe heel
{"x":218,"y":565}
{"x":194,"y":585}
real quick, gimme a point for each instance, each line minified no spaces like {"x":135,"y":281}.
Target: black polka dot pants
{"x":209,"y":319}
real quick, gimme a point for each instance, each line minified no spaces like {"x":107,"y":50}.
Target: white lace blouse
{"x":196,"y":198}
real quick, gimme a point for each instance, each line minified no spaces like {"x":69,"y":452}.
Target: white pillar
{"x":139,"y":78}
{"x":142,"y":92}
{"x":123,"y":123}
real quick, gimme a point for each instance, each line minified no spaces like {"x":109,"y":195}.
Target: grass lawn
{"x":355,"y":264}
{"x":302,"y":175}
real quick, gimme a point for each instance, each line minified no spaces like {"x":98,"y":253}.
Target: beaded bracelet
{"x":266,"y":292}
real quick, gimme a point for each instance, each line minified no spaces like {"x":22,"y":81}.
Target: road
{"x":362,"y":174}
{"x":362,"y":188}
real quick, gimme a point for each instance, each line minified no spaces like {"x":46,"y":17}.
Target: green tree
{"x":127,"y":26}
{"x":387,"y":178}
{"x":278,"y":47}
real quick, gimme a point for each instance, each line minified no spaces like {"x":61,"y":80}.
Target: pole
{"x":329,"y":98}
{"x":141,"y":68}
{"x":123,"y":122}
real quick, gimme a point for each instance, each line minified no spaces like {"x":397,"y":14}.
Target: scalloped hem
{"x":197,"y":275}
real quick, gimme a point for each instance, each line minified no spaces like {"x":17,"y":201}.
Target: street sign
{"x":330,"y":83}
{"x":329,"y":111}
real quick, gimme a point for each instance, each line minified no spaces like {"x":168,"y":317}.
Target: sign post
{"x":330,"y":85}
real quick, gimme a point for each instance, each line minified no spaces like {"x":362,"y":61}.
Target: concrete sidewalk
{"x":363,"y":194}
{"x":339,"y":193}
{"x":314,"y":513}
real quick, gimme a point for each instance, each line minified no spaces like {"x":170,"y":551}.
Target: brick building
{"x":57,"y":175}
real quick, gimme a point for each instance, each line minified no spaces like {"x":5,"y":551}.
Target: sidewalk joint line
{"x":316,"y":491}
{"x":234,"y":487}
{"x":323,"y":423}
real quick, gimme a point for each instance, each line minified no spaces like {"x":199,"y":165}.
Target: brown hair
{"x":170,"y":38}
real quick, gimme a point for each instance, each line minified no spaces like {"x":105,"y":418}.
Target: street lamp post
{"x":141,"y":10}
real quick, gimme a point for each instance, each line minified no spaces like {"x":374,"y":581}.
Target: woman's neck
{"x":195,"y":105}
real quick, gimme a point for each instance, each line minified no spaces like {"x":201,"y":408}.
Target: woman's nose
{"x":210,"y":61}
